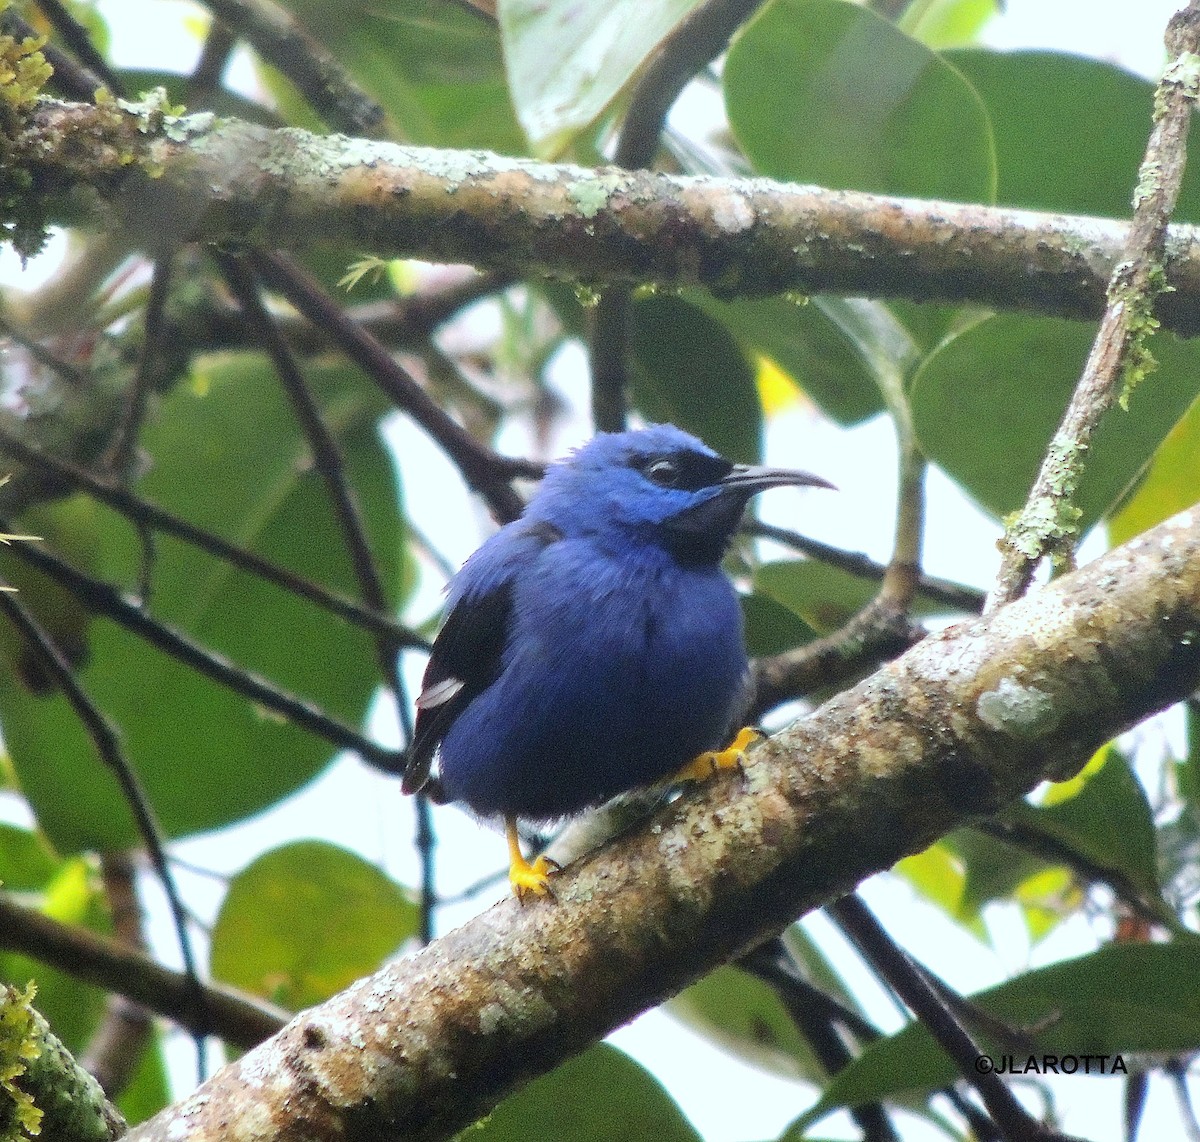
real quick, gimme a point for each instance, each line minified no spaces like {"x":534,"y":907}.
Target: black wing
{"x":465,"y":660}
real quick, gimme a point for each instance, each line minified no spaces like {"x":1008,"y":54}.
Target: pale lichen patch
{"x":732,"y":213}
{"x":1018,"y":710}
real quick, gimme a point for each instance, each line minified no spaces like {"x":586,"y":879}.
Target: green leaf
{"x":601,"y":1096}
{"x":744,"y":1016}
{"x":825,"y":92}
{"x":1122,"y":999}
{"x":824,"y":596}
{"x":1108,"y":823}
{"x":687,"y":369}
{"x":74,"y":1009}
{"x":947,"y":23}
{"x":305,"y":920}
{"x":149,"y":1091}
{"x":436,"y":69}
{"x":1171,"y":484}
{"x":229,"y":457}
{"x":26,"y":862}
{"x":772,"y":628}
{"x":1075,"y":161}
{"x":567,"y":62}
{"x":988,"y":401}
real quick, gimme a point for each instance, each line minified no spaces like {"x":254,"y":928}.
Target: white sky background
{"x":352,"y":806}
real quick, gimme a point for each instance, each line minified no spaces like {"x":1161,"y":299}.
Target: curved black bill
{"x":752,"y":478}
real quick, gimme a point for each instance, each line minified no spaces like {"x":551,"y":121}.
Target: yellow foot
{"x":526,"y":877}
{"x":703,"y":767}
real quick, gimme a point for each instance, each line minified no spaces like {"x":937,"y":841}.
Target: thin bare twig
{"x":104,"y":599}
{"x":893,"y":964}
{"x":876,"y":634}
{"x":318,"y":76}
{"x":946,"y":591}
{"x":76,"y":37}
{"x":108,"y":746}
{"x":698,"y":39}
{"x":133,"y":411}
{"x":117,"y":1045}
{"x":146,"y":514}
{"x":1048,"y":524}
{"x":233,"y":1016}
{"x":484,"y":470}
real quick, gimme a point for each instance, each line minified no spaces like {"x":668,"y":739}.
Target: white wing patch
{"x":439,"y":694}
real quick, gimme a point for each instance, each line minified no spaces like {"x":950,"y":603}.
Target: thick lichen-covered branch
{"x":167,"y":180}
{"x":959,"y":726}
{"x":1120,"y":356}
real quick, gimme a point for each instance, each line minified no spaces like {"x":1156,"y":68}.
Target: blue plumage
{"x":593,"y":645}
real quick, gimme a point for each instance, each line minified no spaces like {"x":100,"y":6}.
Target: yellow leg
{"x":703,"y":767}
{"x":523,"y":876}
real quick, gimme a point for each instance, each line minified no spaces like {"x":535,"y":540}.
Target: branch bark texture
{"x":960,"y":725}
{"x":164,"y":181}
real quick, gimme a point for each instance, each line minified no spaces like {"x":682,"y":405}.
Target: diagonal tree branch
{"x":197,"y":178}
{"x":966,"y":721}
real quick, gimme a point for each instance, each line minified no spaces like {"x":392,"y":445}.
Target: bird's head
{"x":659,"y":485}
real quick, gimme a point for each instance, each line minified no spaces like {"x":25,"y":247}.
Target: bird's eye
{"x":665,"y":473}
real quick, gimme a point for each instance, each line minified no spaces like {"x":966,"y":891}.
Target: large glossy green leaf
{"x":687,"y":369}
{"x":806,"y":345}
{"x":772,"y":628}
{"x":1172,"y":482}
{"x":826,"y":92}
{"x":227,"y":455}
{"x":599,"y":1096}
{"x":745,"y":1016}
{"x":26,"y":862}
{"x":987,"y":403}
{"x":305,"y":920}
{"x":1122,"y":999}
{"x":947,"y":23}
{"x":567,"y":62}
{"x":1105,"y":820}
{"x":148,"y":1091}
{"x":825,"y":597}
{"x":1083,"y":158}
{"x":436,"y":68}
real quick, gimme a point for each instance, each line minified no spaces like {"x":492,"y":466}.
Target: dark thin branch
{"x":318,"y":76}
{"x":955,"y":595}
{"x":816,"y":1016}
{"x":127,"y":1028}
{"x":484,"y":470}
{"x":144,"y":513}
{"x":104,"y":599}
{"x":39,"y":353}
{"x":876,"y":634}
{"x":121,"y":452}
{"x":698,"y":39}
{"x":108,"y":745}
{"x":76,"y":37}
{"x":205,"y":80}
{"x":1045,"y":846}
{"x":70,"y":77}
{"x":893,"y":964}
{"x":232,"y":1016}
{"x":1048,"y":524}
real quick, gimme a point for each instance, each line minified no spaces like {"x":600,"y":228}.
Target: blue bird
{"x":593,"y":645}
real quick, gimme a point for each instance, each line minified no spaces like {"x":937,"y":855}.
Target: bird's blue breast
{"x":619,"y":667}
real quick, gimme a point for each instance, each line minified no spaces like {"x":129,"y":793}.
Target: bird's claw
{"x":532,"y":878}
{"x":701,"y":768}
